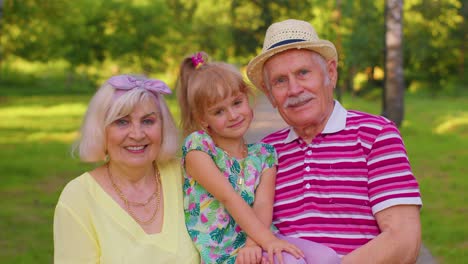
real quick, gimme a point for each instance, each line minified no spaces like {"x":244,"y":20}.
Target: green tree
{"x":88,"y":32}
{"x":362,"y":30}
{"x":28,"y":31}
{"x":1,"y":30}
{"x":153,"y":36}
{"x":436,"y":38}
{"x":135,"y":33}
{"x":251,"y":18}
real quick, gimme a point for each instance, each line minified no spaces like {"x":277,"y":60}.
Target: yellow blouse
{"x":90,"y":227}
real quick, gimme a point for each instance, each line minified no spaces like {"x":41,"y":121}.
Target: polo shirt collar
{"x":335,"y":123}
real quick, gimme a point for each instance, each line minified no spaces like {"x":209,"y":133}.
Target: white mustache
{"x":294,"y":100}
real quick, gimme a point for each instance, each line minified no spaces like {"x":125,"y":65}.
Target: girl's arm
{"x":263,"y":208}
{"x":264,"y":196}
{"x":201,"y":167}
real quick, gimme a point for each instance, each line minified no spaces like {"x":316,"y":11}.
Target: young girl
{"x":228,"y":184}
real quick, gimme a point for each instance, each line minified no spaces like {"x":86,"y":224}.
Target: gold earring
{"x":106,"y":156}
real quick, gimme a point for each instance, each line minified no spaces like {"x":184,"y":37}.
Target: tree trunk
{"x":394,"y":86}
{"x":1,"y":16}
{"x":1,"y":9}
{"x":337,"y":19}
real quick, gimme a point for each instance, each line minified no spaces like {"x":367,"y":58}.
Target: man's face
{"x":301,"y":86}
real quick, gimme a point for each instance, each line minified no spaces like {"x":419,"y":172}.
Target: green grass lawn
{"x":35,"y":163}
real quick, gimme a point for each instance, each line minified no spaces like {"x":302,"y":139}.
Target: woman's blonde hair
{"x":104,"y":108}
{"x":202,"y":85}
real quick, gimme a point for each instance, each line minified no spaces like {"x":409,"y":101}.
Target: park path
{"x":267,"y":120}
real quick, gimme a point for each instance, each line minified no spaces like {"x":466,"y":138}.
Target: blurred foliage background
{"x":80,"y":43}
{"x":55,"y":53}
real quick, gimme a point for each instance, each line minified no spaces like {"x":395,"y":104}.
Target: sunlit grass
{"x":40,"y":123}
{"x":455,"y":124}
{"x":30,"y":121}
{"x":435,"y":133}
{"x":35,"y":163}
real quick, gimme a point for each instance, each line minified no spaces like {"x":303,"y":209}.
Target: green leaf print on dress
{"x":235,"y":167}
{"x":217,"y":235}
{"x":240,"y":240}
{"x":247,"y":197}
{"x":214,"y":232}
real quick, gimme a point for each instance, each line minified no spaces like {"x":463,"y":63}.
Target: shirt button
{"x":307,"y":168}
{"x":309,"y":152}
{"x":307,"y":186}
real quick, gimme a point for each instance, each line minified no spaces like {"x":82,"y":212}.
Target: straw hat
{"x":284,"y":35}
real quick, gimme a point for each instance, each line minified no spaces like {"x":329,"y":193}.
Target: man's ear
{"x":332,"y":71}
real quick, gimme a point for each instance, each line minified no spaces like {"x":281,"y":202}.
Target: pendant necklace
{"x":129,"y":204}
{"x":241,"y":174}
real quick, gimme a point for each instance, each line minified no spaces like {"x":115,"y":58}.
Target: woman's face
{"x":135,"y":140}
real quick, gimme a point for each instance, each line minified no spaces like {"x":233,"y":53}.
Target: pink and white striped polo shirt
{"x":328,"y":191}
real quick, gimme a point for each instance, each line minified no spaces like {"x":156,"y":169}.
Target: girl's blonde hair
{"x":200,"y":86}
{"x":104,"y":108}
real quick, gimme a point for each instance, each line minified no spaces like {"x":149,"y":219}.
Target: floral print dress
{"x":215,"y":233}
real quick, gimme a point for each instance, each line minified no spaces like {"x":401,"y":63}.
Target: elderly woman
{"x":129,"y":209}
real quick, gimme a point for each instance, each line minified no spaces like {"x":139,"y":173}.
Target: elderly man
{"x":344,"y":179}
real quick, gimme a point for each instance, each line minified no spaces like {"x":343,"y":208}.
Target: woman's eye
{"x":148,"y":121}
{"x":238,"y":102}
{"x":280,"y":80}
{"x":303,"y":72}
{"x":121,"y":122}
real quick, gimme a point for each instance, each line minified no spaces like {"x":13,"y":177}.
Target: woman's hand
{"x":275,"y":246}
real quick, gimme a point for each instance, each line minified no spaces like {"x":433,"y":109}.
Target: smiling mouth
{"x":237,"y":124}
{"x":136,"y":148}
{"x":298,"y":104}
{"x":298,"y":101}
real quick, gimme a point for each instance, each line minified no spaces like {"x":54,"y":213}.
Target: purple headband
{"x":125,"y":83}
{"x":197,"y":60}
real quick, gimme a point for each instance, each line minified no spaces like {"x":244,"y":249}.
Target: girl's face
{"x":229,"y":118}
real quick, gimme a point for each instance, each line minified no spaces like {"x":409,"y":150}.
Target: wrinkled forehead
{"x":292,"y":61}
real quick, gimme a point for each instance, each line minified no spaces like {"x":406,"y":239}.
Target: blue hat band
{"x":284,"y":42}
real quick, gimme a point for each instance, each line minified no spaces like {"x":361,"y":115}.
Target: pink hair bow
{"x":123,"y":83}
{"x":197,"y":60}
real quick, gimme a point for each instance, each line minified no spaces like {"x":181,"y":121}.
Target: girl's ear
{"x":202,"y":122}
